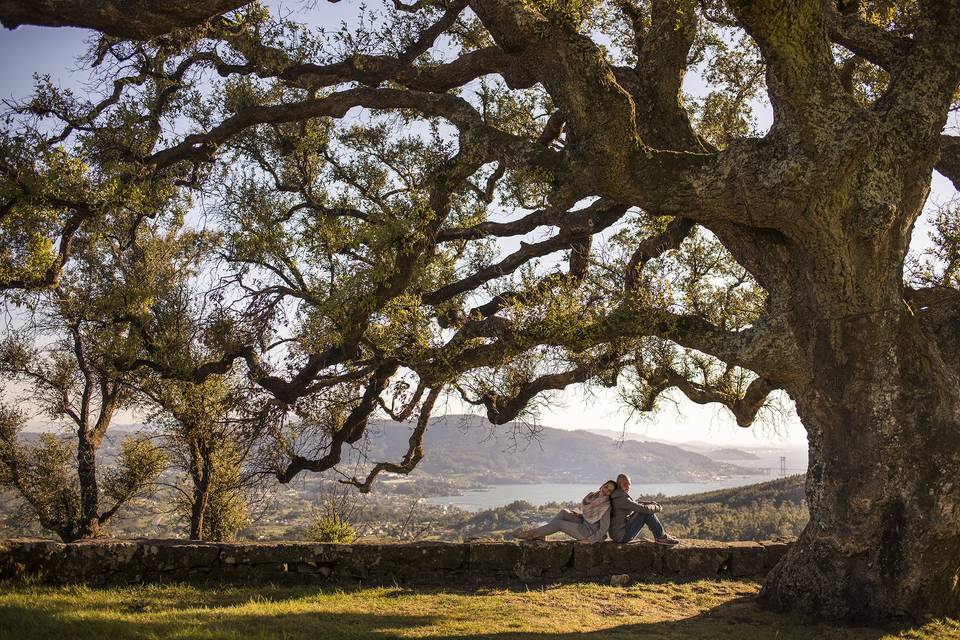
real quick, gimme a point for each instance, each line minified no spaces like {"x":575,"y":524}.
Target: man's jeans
{"x":636,"y":522}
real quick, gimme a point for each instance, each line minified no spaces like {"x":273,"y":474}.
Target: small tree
{"x":335,"y":519}
{"x":64,"y":345}
{"x":44,"y":477}
{"x":230,"y":499}
{"x":210,"y":430}
{"x":64,"y":357}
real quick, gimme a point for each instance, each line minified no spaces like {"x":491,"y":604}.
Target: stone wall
{"x":104,"y":562}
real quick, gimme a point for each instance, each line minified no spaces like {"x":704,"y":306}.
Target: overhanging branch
{"x":350,"y":432}
{"x":744,"y":408}
{"x":133,"y":19}
{"x":414,"y":452}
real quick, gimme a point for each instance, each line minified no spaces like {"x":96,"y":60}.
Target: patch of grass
{"x":666,"y":611}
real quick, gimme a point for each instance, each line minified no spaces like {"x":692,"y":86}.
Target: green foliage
{"x":48,"y":180}
{"x":330,"y":528}
{"x":140,"y":462}
{"x":209,"y":432}
{"x":734,"y":72}
{"x":757,"y":512}
{"x":230,"y":500}
{"x":228,"y":507}
{"x":42,"y":476}
{"x":939,"y":264}
{"x":568,"y":12}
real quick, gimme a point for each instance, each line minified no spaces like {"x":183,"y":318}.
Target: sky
{"x":29,"y":50}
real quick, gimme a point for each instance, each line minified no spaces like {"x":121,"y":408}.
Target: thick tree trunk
{"x":89,"y":525}
{"x":883,"y":419}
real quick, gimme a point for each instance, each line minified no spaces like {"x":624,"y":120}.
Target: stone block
{"x":543,"y":560}
{"x":361,"y":562}
{"x":96,"y":562}
{"x":492,"y":558}
{"x":234,"y":574}
{"x":634,"y":558}
{"x":589,"y":560}
{"x":435,"y":556}
{"x":170,"y":557}
{"x":587,"y":555}
{"x":692,"y":562}
{"x":34,"y":557}
{"x":747,"y":560}
{"x":268,"y":553}
{"x":329,"y":553}
{"x":424,"y":562}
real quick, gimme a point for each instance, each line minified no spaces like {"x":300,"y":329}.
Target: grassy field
{"x":697,"y":610}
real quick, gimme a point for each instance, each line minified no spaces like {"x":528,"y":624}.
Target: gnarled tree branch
{"x":414,"y":452}
{"x":132,"y":19}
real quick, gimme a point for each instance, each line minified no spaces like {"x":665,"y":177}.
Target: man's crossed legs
{"x":635,"y":524}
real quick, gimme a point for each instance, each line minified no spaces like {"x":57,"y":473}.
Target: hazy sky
{"x":29,"y":50}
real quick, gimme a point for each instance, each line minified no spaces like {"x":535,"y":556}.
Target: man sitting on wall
{"x":627,"y":516}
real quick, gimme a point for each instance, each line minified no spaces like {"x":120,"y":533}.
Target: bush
{"x":519,"y":506}
{"x":228,"y":511}
{"x":330,"y":528}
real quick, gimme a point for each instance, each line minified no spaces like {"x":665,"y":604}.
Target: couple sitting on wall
{"x":611,"y":509}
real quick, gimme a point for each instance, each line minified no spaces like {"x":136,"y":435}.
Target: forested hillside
{"x":754,"y":512}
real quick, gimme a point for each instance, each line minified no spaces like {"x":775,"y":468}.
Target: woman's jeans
{"x":636,"y":522}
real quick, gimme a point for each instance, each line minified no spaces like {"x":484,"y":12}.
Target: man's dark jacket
{"x":622,"y":506}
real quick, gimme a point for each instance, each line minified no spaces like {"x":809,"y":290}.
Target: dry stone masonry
{"x":103,"y":562}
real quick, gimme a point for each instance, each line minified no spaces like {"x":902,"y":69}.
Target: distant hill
{"x":620,"y":435}
{"x":728,"y":453}
{"x":697,"y":446}
{"x":458,"y":445}
{"x":469,"y":448}
{"x":768,"y":452}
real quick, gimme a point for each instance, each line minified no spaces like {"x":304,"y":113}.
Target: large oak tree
{"x":370,"y":186}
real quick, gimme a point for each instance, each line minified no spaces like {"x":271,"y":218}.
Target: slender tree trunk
{"x":201,"y":468}
{"x":883,"y":419}
{"x":89,"y":525}
{"x":201,"y":498}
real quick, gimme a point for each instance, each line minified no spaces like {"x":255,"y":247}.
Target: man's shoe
{"x":668,"y":540}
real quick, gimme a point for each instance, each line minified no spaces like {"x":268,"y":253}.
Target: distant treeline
{"x":755,"y":512}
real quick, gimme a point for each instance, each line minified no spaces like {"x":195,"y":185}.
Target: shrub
{"x":330,"y":528}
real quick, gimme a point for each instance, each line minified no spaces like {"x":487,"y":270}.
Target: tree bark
{"x":201,"y":469}
{"x":89,"y":525}
{"x":882,"y":413}
{"x":135,"y":19}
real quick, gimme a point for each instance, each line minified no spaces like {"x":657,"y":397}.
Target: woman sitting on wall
{"x":588,"y":525}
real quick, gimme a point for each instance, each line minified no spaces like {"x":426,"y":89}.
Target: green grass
{"x":699,"y":610}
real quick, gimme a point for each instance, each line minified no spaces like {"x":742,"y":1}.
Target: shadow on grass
{"x":254,"y":618}
{"x":29,"y":624}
